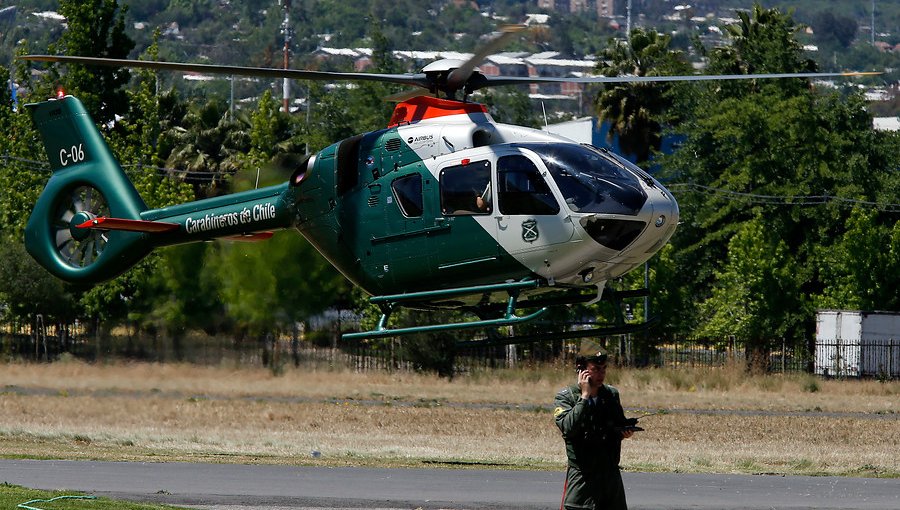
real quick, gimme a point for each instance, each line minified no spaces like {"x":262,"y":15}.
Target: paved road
{"x":233,"y":487}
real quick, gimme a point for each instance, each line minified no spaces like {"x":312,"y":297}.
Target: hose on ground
{"x":26,"y":505}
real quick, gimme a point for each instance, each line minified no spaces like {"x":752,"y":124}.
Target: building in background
{"x":604,"y":8}
{"x":857,"y":344}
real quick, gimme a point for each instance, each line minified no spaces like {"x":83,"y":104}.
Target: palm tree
{"x":764,"y":41}
{"x":206,"y":145}
{"x":635,"y":110}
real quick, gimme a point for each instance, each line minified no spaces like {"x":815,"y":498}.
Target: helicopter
{"x":444,"y":209}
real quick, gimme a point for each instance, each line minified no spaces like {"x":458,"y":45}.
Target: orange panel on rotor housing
{"x":425,"y":107}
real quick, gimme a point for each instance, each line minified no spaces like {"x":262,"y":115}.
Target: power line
{"x":755,"y":198}
{"x":131,"y":169}
{"x":191,"y":176}
{"x":30,"y":164}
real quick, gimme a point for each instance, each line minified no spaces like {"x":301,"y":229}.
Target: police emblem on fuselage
{"x":530,"y":231}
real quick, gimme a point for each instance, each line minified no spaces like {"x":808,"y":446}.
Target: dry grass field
{"x":711,"y":420}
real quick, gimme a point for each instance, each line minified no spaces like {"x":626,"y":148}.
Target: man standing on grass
{"x":590,"y":417}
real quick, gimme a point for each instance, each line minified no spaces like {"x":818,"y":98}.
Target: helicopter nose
{"x":620,"y":242}
{"x":641,"y":236}
{"x":663,"y":219}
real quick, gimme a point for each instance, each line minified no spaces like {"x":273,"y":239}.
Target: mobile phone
{"x":579,"y":370}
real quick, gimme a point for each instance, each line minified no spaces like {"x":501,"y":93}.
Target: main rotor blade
{"x":494,"y":81}
{"x":415,"y":80}
{"x":461,"y":74}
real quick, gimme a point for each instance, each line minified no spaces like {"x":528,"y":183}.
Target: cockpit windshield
{"x":591,"y":180}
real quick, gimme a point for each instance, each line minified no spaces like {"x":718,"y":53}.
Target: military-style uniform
{"x":593,"y":439}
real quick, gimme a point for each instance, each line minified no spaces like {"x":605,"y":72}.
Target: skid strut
{"x":389,"y":303}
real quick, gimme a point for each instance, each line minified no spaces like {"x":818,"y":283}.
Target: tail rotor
{"x":87,"y":185}
{"x":80,"y":247}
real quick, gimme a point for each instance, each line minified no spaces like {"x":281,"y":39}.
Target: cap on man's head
{"x":598,"y":358}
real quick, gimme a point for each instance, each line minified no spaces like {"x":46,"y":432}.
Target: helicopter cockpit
{"x":599,"y":188}
{"x":590,"y":180}
{"x":544,"y":190}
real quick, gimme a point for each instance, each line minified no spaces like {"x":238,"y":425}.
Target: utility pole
{"x":647,"y":286}
{"x":873,"y":22}
{"x":286,"y":30}
{"x":628,"y":21}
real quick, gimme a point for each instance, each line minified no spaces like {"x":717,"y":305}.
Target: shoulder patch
{"x":558,"y":411}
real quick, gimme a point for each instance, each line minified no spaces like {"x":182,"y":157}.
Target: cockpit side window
{"x":466,"y":189}
{"x":521,"y":189}
{"x":408,"y":192}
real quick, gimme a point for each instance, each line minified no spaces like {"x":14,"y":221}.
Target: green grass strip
{"x":26,"y":505}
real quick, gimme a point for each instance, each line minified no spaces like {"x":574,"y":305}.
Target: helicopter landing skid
{"x":390,"y":303}
{"x":602,"y":330}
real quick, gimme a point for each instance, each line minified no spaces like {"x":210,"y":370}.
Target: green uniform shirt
{"x":593,"y":446}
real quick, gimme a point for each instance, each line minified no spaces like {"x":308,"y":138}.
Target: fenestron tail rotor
{"x":80,"y":247}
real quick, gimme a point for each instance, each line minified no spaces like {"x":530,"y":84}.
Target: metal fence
{"x":691,"y":352}
{"x":827,"y":358}
{"x":858,"y":358}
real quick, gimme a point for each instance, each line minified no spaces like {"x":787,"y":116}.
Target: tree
{"x":861,"y":271}
{"x":185,"y":294}
{"x":96,"y":28}
{"x":271,"y":285}
{"x":268,"y":128}
{"x":132,"y":296}
{"x":205,"y":143}
{"x":755,"y":296}
{"x":267,"y":286}
{"x":772,"y":149}
{"x":510,"y":105}
{"x":636,"y":111}
{"x":834,"y":30}
{"x":28,"y":290}
{"x":755,"y":148}
{"x":764,"y":41}
{"x":21,"y":178}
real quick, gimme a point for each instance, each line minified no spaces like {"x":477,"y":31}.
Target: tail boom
{"x":90,"y":224}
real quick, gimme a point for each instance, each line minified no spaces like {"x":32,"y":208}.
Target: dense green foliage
{"x":747,"y":260}
{"x":757,"y":264}
{"x":204,"y":286}
{"x":750,"y":260}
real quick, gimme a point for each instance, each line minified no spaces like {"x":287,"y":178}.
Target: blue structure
{"x":13,"y":92}
{"x":599,"y":139}
{"x":588,"y":130}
